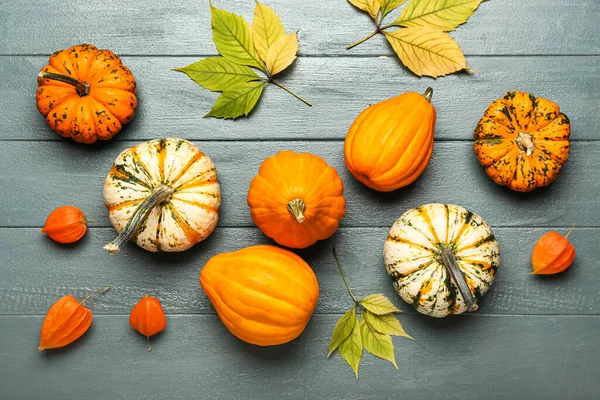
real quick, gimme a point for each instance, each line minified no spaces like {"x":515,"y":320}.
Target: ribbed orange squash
{"x":264,"y":295}
{"x":390,"y":143}
{"x":297,"y":199}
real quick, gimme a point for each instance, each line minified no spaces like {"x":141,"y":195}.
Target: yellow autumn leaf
{"x":266,"y":29}
{"x":282,"y":53}
{"x":387,"y":6}
{"x":371,"y":7}
{"x":446,"y":15}
{"x":427,"y":51}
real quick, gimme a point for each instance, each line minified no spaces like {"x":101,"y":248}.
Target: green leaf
{"x":378,"y":304}
{"x":385,"y":324}
{"x":387,"y":6}
{"x":343,"y":329}
{"x":266,"y":29}
{"x":351,"y":348}
{"x":237,"y":100}
{"x":233,"y":37}
{"x":218,"y":73}
{"x":371,"y":7}
{"x":446,"y":15}
{"x":378,"y":344}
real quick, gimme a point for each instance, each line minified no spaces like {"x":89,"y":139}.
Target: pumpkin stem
{"x":525,"y":143}
{"x":297,"y":207}
{"x":448,"y":259}
{"x":83,"y":88}
{"x":159,"y":195}
{"x":93,"y":294}
{"x":428,"y":93}
{"x":339,"y":264}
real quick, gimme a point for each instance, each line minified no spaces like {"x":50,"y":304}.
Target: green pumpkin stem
{"x":297,"y":207}
{"x":448,"y":259}
{"x":428,"y":94}
{"x":83,"y":88}
{"x":159,"y":195}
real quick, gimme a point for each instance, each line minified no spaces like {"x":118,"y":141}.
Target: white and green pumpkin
{"x":442,"y":258}
{"x":164,"y":194}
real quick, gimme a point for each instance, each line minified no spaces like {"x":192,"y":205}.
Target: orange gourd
{"x":148,"y":317}
{"x":65,"y":224}
{"x":264,"y":295}
{"x":552,"y":254}
{"x":390,"y":143}
{"x":297,"y":199}
{"x":522,"y":141}
{"x":86,"y":94}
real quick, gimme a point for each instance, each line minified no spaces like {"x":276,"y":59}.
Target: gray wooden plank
{"x":195,"y":357}
{"x":40,"y":271}
{"x":51,"y":174}
{"x":339,"y":88}
{"x":173,"y":27}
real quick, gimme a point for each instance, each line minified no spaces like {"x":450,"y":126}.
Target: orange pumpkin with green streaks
{"x":523,"y":141}
{"x":86,"y":94}
{"x":264,"y":295}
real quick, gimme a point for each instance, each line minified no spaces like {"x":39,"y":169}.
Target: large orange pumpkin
{"x":297,"y":199}
{"x":523,"y":141}
{"x":86,"y":94}
{"x":390,"y":143}
{"x":264,"y":295}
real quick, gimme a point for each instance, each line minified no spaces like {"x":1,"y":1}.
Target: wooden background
{"x":533,"y":337}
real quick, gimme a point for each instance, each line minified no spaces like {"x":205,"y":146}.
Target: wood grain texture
{"x":52,"y":174}
{"x":339,"y":88}
{"x":195,"y":357}
{"x":178,"y":28}
{"x":41,"y":271}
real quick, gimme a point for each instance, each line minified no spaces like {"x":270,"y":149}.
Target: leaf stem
{"x":93,"y":294}
{"x":363,"y":39}
{"x":570,"y":230}
{"x":339,"y":264}
{"x":290,"y":92}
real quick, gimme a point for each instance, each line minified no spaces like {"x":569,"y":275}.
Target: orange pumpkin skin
{"x":264,"y":295}
{"x":522,"y":141}
{"x":552,"y":254}
{"x":390,"y":143}
{"x":296,"y":199}
{"x":99,"y":106}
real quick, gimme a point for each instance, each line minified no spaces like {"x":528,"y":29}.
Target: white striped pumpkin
{"x":441,"y":258}
{"x":164,"y":194}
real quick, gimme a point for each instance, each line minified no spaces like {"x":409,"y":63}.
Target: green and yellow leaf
{"x":343,"y":329}
{"x":377,"y":344}
{"x":371,"y":7}
{"x":282,"y":53}
{"x":218,"y":73}
{"x":237,"y":100}
{"x":378,"y":304}
{"x":386,"y":324}
{"x":233,"y":37}
{"x":427,"y":51}
{"x":446,"y":15}
{"x":387,"y":6}
{"x":266,"y":29}
{"x":351,"y":348}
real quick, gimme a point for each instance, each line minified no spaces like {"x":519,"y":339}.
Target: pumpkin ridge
{"x":228,"y":323}
{"x":424,"y":213}
{"x":420,"y":267}
{"x":195,"y":158}
{"x":190,"y":233}
{"x":420,"y":231}
{"x":282,"y":272}
{"x":193,"y":183}
{"x":398,"y":239}
{"x":327,"y":173}
{"x":270,"y":296}
{"x":206,"y":207}
{"x":362,"y":117}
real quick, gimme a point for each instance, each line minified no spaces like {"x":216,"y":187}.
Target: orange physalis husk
{"x":552,"y":254}
{"x":148,"y":317}
{"x":66,"y":321}
{"x":66,"y":224}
